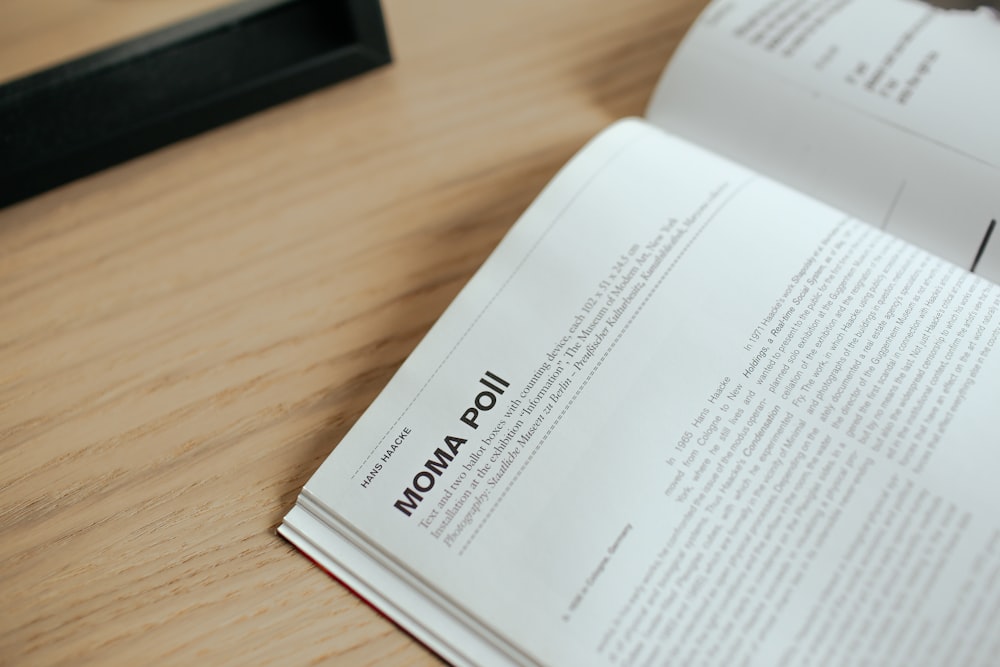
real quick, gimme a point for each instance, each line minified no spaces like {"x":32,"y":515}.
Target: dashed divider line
{"x":597,"y":364}
{"x":558,"y":217}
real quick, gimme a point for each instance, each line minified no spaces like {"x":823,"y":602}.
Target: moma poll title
{"x":425,"y":478}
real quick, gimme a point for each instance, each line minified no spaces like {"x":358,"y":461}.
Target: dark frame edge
{"x":186,"y":118}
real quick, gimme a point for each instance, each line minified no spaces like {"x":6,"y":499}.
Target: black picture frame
{"x":99,"y":110}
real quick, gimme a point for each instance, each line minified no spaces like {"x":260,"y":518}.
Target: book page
{"x":682,"y":414}
{"x":886,"y":109}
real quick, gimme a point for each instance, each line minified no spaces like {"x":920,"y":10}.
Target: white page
{"x":887,"y":109}
{"x":641,"y":503}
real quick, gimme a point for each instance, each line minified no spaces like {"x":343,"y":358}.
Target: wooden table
{"x":184,"y":338}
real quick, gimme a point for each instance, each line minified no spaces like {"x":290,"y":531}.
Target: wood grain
{"x":35,"y":34}
{"x":184,"y":338}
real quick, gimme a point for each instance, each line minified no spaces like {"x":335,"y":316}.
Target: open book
{"x":727,"y":393}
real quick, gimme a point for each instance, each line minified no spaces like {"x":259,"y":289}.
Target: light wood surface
{"x":184,"y":338}
{"x":35,"y":34}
